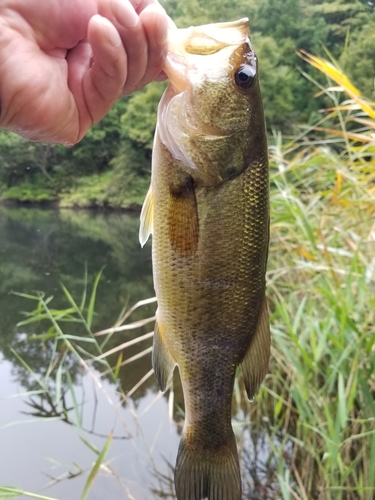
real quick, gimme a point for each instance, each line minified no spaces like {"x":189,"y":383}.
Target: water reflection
{"x":40,"y":249}
{"x":58,"y":406}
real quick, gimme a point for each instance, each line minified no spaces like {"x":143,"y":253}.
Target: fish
{"x":208,"y":212}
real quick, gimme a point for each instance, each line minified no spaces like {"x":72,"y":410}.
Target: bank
{"x":93,"y":191}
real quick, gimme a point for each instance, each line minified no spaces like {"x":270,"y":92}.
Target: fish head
{"x":211,"y":115}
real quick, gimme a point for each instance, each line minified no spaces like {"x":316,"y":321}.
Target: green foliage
{"x":87,"y":191}
{"x":321,"y":288}
{"x":115,"y":154}
{"x":139,"y":120}
{"x":358,"y":59}
{"x":341,"y":17}
{"x":20,"y":159}
{"x":38,"y":191}
{"x":195,"y":12}
{"x":277,"y":81}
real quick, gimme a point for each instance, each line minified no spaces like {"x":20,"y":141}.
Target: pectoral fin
{"x":255,"y":363}
{"x":162,"y":361}
{"x":183,"y":219}
{"x":147,"y":213}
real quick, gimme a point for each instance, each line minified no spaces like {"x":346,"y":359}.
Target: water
{"x":45,"y":450}
{"x":53,"y":427}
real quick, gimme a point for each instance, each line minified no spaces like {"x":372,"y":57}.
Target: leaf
{"x":90,"y":312}
{"x":12,"y":492}
{"x":118,"y":365}
{"x":350,"y":135}
{"x":83,"y":300}
{"x":95,"y":469}
{"x":342,"y":401}
{"x":75,"y":403}
{"x":338,"y":76}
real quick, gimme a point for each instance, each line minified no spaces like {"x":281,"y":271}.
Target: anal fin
{"x":255,"y":363}
{"x":162,"y":361}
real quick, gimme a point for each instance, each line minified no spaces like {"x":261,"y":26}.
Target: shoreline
{"x":55,"y":205}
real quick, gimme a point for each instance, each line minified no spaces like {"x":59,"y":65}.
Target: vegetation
{"x":311,"y":432}
{"x":321,"y":293}
{"x":314,"y":416}
{"x":111,"y":166}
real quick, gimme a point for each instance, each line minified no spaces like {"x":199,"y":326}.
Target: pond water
{"x":58,"y":408}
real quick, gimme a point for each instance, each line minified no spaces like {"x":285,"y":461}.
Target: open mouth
{"x":188,"y":48}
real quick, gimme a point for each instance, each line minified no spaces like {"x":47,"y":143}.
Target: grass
{"x":53,"y":394}
{"x":321,"y":287}
{"x":311,"y":432}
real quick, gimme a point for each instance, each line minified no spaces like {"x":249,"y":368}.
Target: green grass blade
{"x":95,"y":469}
{"x":84,"y":293}
{"x":90,"y":311}
{"x":27,"y":367}
{"x":118,"y":365}
{"x":11,"y":492}
{"x":75,"y":403}
{"x":342,"y":404}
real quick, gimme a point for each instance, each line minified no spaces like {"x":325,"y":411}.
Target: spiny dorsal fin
{"x":147,"y":214}
{"x":162,"y":361}
{"x":255,"y":363}
{"x":183,"y":219}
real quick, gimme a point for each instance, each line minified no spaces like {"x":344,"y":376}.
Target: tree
{"x":358,"y":59}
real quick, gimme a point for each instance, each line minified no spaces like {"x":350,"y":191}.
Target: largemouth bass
{"x":208,"y":211}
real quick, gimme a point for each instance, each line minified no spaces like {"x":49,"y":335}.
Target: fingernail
{"x":125,"y":13}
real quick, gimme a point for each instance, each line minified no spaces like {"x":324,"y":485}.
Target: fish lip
{"x":244,"y":21}
{"x":200,"y":41}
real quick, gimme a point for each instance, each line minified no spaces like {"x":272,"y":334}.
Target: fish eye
{"x":244,"y":76}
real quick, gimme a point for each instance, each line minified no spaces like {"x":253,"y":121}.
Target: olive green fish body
{"x":208,"y":210}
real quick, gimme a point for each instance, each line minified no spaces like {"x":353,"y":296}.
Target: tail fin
{"x":207,"y":474}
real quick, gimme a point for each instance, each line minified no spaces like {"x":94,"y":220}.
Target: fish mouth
{"x":187,"y":47}
{"x":198,"y":56}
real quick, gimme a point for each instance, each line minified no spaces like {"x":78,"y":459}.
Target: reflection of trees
{"x":37,"y":357}
{"x":41,"y":353}
{"x":259,"y":463}
{"x":40,"y":248}
{"x":46,"y":405}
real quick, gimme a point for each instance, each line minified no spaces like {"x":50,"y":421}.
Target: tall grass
{"x":52,"y":395}
{"x":321,"y":288}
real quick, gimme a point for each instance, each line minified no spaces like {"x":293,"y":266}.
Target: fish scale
{"x":209,"y":217}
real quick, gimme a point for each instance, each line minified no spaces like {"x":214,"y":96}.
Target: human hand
{"x":64,"y":63}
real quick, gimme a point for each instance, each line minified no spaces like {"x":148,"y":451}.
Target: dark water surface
{"x":46,"y":448}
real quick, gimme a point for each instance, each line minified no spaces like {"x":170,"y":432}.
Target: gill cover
{"x":205,"y":114}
